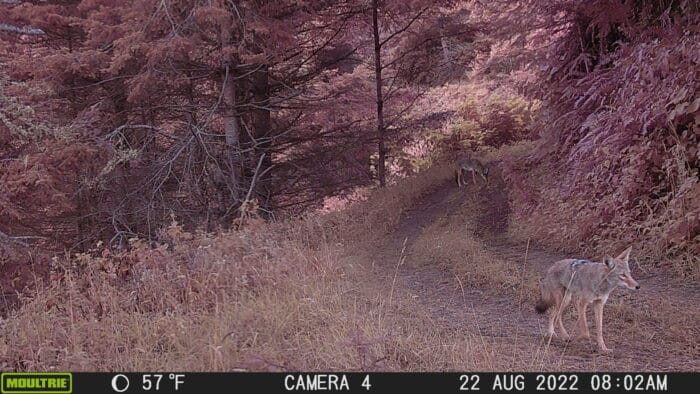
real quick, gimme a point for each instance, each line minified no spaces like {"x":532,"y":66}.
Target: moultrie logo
{"x":36,"y":382}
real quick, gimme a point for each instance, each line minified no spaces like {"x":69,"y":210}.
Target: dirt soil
{"x":653,"y":329}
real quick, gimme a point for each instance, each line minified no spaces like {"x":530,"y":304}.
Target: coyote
{"x":472,"y":165}
{"x":586,"y":282}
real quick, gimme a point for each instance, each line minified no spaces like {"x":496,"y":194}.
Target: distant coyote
{"x":586,"y":282}
{"x":472,"y":165}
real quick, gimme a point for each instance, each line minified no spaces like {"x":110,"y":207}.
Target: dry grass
{"x":365,"y":221}
{"x":213,"y":287}
{"x":277,"y":296}
{"x":237,"y":301}
{"x":303,"y":295}
{"x":455,"y":248}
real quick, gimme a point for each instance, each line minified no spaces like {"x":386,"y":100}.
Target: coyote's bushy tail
{"x":546,"y":300}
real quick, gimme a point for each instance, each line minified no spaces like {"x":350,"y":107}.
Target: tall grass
{"x":272,"y":296}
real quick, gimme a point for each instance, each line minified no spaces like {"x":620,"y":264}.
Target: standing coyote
{"x":472,"y":165}
{"x":586,"y":282}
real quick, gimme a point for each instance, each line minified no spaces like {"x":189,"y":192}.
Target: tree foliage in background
{"x":206,"y":111}
{"x":618,"y":156}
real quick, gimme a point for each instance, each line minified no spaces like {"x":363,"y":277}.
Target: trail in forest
{"x":669,"y":341}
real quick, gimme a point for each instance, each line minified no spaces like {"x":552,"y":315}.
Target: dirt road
{"x":654,"y":329}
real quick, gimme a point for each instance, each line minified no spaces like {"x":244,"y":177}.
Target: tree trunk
{"x":446,"y":52}
{"x":232,"y":132}
{"x":124,"y":213}
{"x":232,"y":128}
{"x":381,"y":169}
{"x":262,"y":126}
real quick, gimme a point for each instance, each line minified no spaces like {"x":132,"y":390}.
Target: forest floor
{"x":653,"y":329}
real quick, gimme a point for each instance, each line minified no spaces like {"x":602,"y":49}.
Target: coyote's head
{"x":619,"y":273}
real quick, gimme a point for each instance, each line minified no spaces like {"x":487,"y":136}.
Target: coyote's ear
{"x":609,"y":262}
{"x":625,"y":256}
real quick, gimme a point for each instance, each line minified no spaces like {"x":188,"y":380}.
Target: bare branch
{"x":18,"y":239}
{"x":401,"y":30}
{"x":21,"y":29}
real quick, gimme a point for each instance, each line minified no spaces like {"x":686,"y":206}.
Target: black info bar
{"x":348,"y":382}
